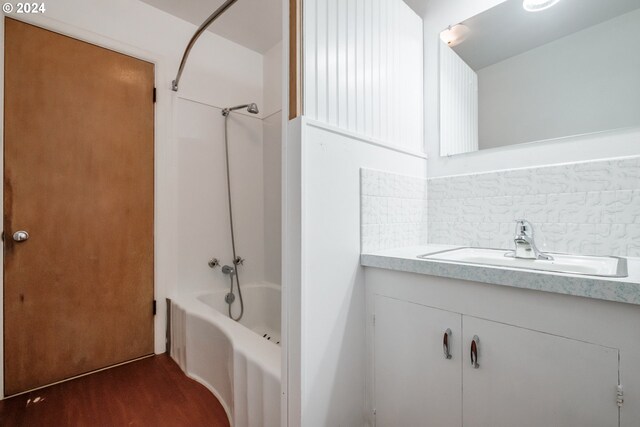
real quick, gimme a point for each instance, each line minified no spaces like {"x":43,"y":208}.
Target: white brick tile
{"x":626,"y":174}
{"x":589,"y":207}
{"x":580,"y":238}
{"x":393,"y":210}
{"x":592,"y":176}
{"x":629,"y":207}
{"x":552,"y":179}
{"x":370,"y":237}
{"x":369,"y":182}
{"x":437,"y":189}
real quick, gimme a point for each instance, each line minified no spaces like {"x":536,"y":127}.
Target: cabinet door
{"x":415,"y":384}
{"x":532,"y":379}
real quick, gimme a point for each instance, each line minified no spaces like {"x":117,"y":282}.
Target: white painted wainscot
{"x":552,"y":349}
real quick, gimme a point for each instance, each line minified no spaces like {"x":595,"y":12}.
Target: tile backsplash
{"x":393,"y":210}
{"x":587,"y":208}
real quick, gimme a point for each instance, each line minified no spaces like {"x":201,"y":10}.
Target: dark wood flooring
{"x":151,"y":392}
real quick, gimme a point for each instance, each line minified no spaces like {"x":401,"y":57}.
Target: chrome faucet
{"x":525,"y":244}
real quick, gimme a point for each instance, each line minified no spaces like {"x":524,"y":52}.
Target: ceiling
{"x":418,"y":6}
{"x":507,"y":29}
{"x":255,"y":24}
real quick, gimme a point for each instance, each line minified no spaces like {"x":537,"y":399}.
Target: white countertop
{"x":618,"y":289}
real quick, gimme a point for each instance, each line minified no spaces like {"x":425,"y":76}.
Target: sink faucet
{"x":525,"y":244}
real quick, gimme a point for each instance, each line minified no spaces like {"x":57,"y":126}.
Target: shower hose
{"x":236,"y":260}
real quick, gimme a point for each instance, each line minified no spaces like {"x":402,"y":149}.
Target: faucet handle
{"x":524,"y":227}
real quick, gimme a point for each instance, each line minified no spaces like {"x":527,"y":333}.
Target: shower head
{"x":251,"y":108}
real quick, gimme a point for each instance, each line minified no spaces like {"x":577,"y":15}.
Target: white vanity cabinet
{"x":414,"y":380}
{"x":527,"y":378}
{"x":538,"y":364}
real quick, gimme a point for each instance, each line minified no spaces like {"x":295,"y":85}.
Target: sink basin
{"x":562,"y":263}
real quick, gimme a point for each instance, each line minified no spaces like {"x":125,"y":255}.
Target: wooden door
{"x":295,"y":59}
{"x":527,"y":378}
{"x":78,"y":177}
{"x":415,"y":384}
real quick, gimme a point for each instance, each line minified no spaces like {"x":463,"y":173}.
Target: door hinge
{"x":154,"y":307}
{"x":154,"y":95}
{"x":619,"y":395}
{"x":374,"y":320}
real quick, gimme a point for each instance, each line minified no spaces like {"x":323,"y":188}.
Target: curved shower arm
{"x":194,"y":38}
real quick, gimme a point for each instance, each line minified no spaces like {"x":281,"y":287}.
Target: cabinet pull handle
{"x":445,"y":344}
{"x":475,"y":343}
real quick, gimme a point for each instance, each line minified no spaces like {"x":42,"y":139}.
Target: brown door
{"x":78,"y":178}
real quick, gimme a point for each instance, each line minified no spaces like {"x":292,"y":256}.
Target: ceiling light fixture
{"x":455,"y":34}
{"x":538,"y":5}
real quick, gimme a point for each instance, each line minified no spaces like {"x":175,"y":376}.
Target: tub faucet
{"x":230,"y":297}
{"x":525,"y":244}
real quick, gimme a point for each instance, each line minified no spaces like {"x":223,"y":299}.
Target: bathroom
{"x":321,"y":213}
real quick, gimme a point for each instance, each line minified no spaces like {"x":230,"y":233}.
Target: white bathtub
{"x":236,"y":361}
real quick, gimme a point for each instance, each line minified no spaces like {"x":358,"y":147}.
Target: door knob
{"x":20,"y":236}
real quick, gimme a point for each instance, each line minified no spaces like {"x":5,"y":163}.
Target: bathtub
{"x":238,"y":362}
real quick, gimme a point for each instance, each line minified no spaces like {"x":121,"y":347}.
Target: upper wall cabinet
{"x":528,"y":71}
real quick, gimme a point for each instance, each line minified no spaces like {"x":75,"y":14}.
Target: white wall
{"x":272,"y":80}
{"x":272,"y":163}
{"x":458,"y":104}
{"x":332,"y":317}
{"x":292,"y":269}
{"x":441,"y":13}
{"x":363,"y":109}
{"x":203,"y":216}
{"x":219,"y":73}
{"x":582,"y":83}
{"x":363,"y":68}
{"x":272,"y":190}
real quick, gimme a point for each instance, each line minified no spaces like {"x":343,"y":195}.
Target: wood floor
{"x":149,"y":392}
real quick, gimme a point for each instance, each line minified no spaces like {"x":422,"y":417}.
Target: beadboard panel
{"x":585,"y":208}
{"x":363,"y":69}
{"x":458,"y":104}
